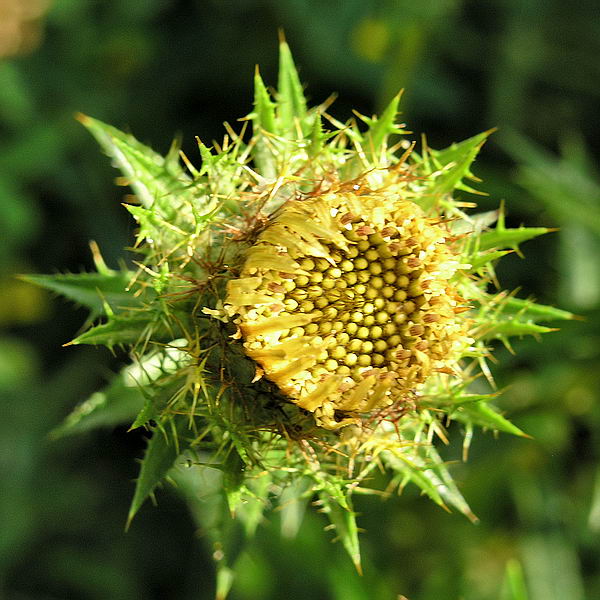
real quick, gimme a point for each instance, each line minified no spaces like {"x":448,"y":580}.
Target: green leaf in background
{"x":514,"y":587}
{"x":203,"y":488}
{"x":569,"y":188}
{"x":128,"y":393}
{"x":567,"y":185}
{"x":118,"y":403}
{"x":254,"y":501}
{"x":292,"y":505}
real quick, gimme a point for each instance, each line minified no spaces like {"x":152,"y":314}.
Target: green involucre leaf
{"x":480,"y":413}
{"x":338,"y":508}
{"x":529,"y":310}
{"x":167,"y":443}
{"x":468,"y":408}
{"x":127,"y":329}
{"x":509,"y":238}
{"x":481,"y":260}
{"x":513,"y":328}
{"x":379,"y":131}
{"x":263,"y":116}
{"x":98,"y":292}
{"x":317,"y":137}
{"x":263,"y":123}
{"x":152,"y":177}
{"x":422,"y":465}
{"x":504,"y":316}
{"x":291,"y":103}
{"x":449,"y":168}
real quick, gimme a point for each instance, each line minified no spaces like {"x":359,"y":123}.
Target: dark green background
{"x":159,"y":67}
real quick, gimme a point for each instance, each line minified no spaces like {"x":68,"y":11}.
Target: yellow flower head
{"x":345,"y":302}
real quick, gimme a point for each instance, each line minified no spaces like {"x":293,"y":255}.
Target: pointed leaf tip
{"x":291,"y":101}
{"x":83,"y":119}
{"x":381,"y":128}
{"x":164,"y":447}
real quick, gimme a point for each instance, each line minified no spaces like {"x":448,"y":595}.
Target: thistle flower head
{"x":297,"y":284}
{"x":347,"y":304}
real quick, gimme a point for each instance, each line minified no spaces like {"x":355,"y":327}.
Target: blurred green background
{"x":159,"y":67}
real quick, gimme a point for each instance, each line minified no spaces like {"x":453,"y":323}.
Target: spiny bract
{"x":307,"y":306}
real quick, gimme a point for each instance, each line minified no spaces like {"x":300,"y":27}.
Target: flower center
{"x":345,"y":303}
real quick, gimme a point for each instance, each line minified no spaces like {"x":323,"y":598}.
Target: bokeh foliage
{"x":158,"y":67}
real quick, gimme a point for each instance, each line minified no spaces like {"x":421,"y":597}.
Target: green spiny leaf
{"x":317,"y":137}
{"x":380,"y":129}
{"x":156,"y":400}
{"x":513,"y":328}
{"x":291,"y":103}
{"x":95,"y":291}
{"x":509,"y":238}
{"x":531,"y":311}
{"x":437,"y":472}
{"x":263,"y":123}
{"x":342,"y":517}
{"x":410,"y":469}
{"x":482,"y":414}
{"x":449,"y":167}
{"x":263,"y":116}
{"x":155,"y":229}
{"x":152,"y":177}
{"x":158,"y":376}
{"x":483,"y":259}
{"x":422,"y":465}
{"x":116,"y":332}
{"x":167,"y":443}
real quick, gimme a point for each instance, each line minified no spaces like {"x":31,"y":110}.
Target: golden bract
{"x":345,"y":302}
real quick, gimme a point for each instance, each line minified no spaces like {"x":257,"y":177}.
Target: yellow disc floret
{"x":345,"y":302}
